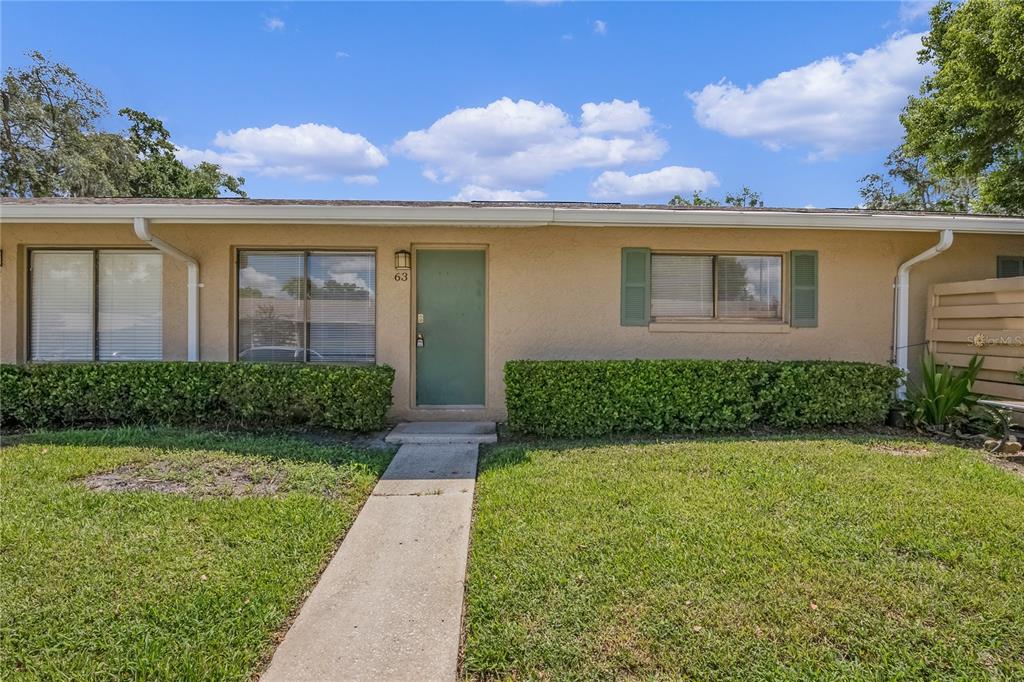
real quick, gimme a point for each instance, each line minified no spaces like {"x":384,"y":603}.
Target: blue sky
{"x":563,"y":101}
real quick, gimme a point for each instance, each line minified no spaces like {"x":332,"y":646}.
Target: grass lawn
{"x":746,"y":559}
{"x":192,"y":583}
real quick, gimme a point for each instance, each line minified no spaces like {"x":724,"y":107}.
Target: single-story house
{"x":447,"y":292}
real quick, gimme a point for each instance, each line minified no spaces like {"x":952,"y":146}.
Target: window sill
{"x":719,"y":327}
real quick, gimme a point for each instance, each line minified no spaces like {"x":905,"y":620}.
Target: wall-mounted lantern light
{"x":403,"y":260}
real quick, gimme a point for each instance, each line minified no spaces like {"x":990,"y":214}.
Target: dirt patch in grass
{"x":1012,"y":463}
{"x":198,"y":479}
{"x":901,"y":449}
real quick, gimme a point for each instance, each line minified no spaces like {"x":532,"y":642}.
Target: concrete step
{"x":442,"y":433}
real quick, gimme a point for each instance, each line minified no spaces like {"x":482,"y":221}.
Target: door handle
{"x":419,"y":341}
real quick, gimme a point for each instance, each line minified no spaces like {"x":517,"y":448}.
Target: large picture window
{"x":96,"y":305}
{"x":716,"y":287}
{"x":306,"y":306}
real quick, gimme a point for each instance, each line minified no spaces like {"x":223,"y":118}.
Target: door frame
{"x":430,"y":246}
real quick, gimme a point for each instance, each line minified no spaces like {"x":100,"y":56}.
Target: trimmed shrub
{"x":825,"y":393}
{"x":348,"y":398}
{"x":574,"y":398}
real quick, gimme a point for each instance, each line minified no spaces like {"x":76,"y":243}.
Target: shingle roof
{"x":43,"y":201}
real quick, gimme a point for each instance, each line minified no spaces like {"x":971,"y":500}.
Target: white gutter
{"x":470,"y":215}
{"x":192,"y":315}
{"x":901,"y":325}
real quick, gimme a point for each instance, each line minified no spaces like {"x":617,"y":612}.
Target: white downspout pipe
{"x":901,"y":324}
{"x":192,"y":303}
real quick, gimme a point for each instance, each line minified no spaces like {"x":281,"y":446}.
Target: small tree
{"x":697,"y":199}
{"x":744,"y":198}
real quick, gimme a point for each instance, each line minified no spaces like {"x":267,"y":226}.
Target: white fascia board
{"x":501,"y":216}
{"x":789,"y":220}
{"x":280,"y":213}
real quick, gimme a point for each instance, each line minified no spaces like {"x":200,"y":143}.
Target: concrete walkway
{"x":389,"y":604}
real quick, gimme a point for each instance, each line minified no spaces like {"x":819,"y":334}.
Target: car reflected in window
{"x":278,"y":354}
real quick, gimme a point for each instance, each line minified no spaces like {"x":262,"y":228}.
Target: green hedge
{"x":348,"y":398}
{"x":573,"y":398}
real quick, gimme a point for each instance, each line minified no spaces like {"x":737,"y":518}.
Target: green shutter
{"x":803,"y":279}
{"x":635,"y":308}
{"x":1009,"y":266}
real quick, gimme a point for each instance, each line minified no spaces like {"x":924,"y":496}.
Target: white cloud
{"x":912,"y":10}
{"x":614,"y":117}
{"x":251,"y":278}
{"x":361,"y":179}
{"x":341,"y":55}
{"x":600,"y":27}
{"x":310,"y":151}
{"x":523,"y":143}
{"x":273,"y":24}
{"x":834,"y":105}
{"x":478,"y":193}
{"x":567,"y":36}
{"x":662,"y":183}
{"x":350,"y":278}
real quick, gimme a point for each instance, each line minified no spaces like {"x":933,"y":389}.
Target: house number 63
{"x":401,"y":276}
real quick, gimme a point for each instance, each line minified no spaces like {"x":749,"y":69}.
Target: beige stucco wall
{"x":552,"y":292}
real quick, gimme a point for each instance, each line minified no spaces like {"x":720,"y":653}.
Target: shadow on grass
{"x":269,"y":445}
{"x":515,"y":449}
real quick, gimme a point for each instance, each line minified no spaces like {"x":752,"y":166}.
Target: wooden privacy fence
{"x":984,"y":317}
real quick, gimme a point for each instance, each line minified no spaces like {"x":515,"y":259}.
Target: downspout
{"x":192,"y":303}
{"x":901,"y":323}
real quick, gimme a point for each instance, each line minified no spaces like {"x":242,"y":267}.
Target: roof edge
{"x":477,"y":215}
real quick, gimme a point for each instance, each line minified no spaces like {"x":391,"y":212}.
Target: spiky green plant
{"x":944,"y":399}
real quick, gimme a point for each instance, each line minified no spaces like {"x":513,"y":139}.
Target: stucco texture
{"x":552,"y":292}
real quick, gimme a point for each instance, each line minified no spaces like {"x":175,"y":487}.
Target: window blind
{"x":682,"y":286}
{"x":749,"y":287}
{"x":62,"y":305}
{"x":96,"y":305}
{"x":342,"y":308}
{"x":271,"y":306}
{"x":130,"y":306}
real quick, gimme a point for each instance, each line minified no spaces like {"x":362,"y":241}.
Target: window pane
{"x":62,"y":305}
{"x":130,"y":296}
{"x":271,"y":307}
{"x":750,"y":287}
{"x":342,"y":307}
{"x":682,"y":286}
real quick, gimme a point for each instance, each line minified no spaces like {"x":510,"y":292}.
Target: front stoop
{"x":432,"y":433}
{"x":389,"y":604}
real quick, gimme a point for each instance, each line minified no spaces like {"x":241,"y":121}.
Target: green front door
{"x":450,"y":327}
